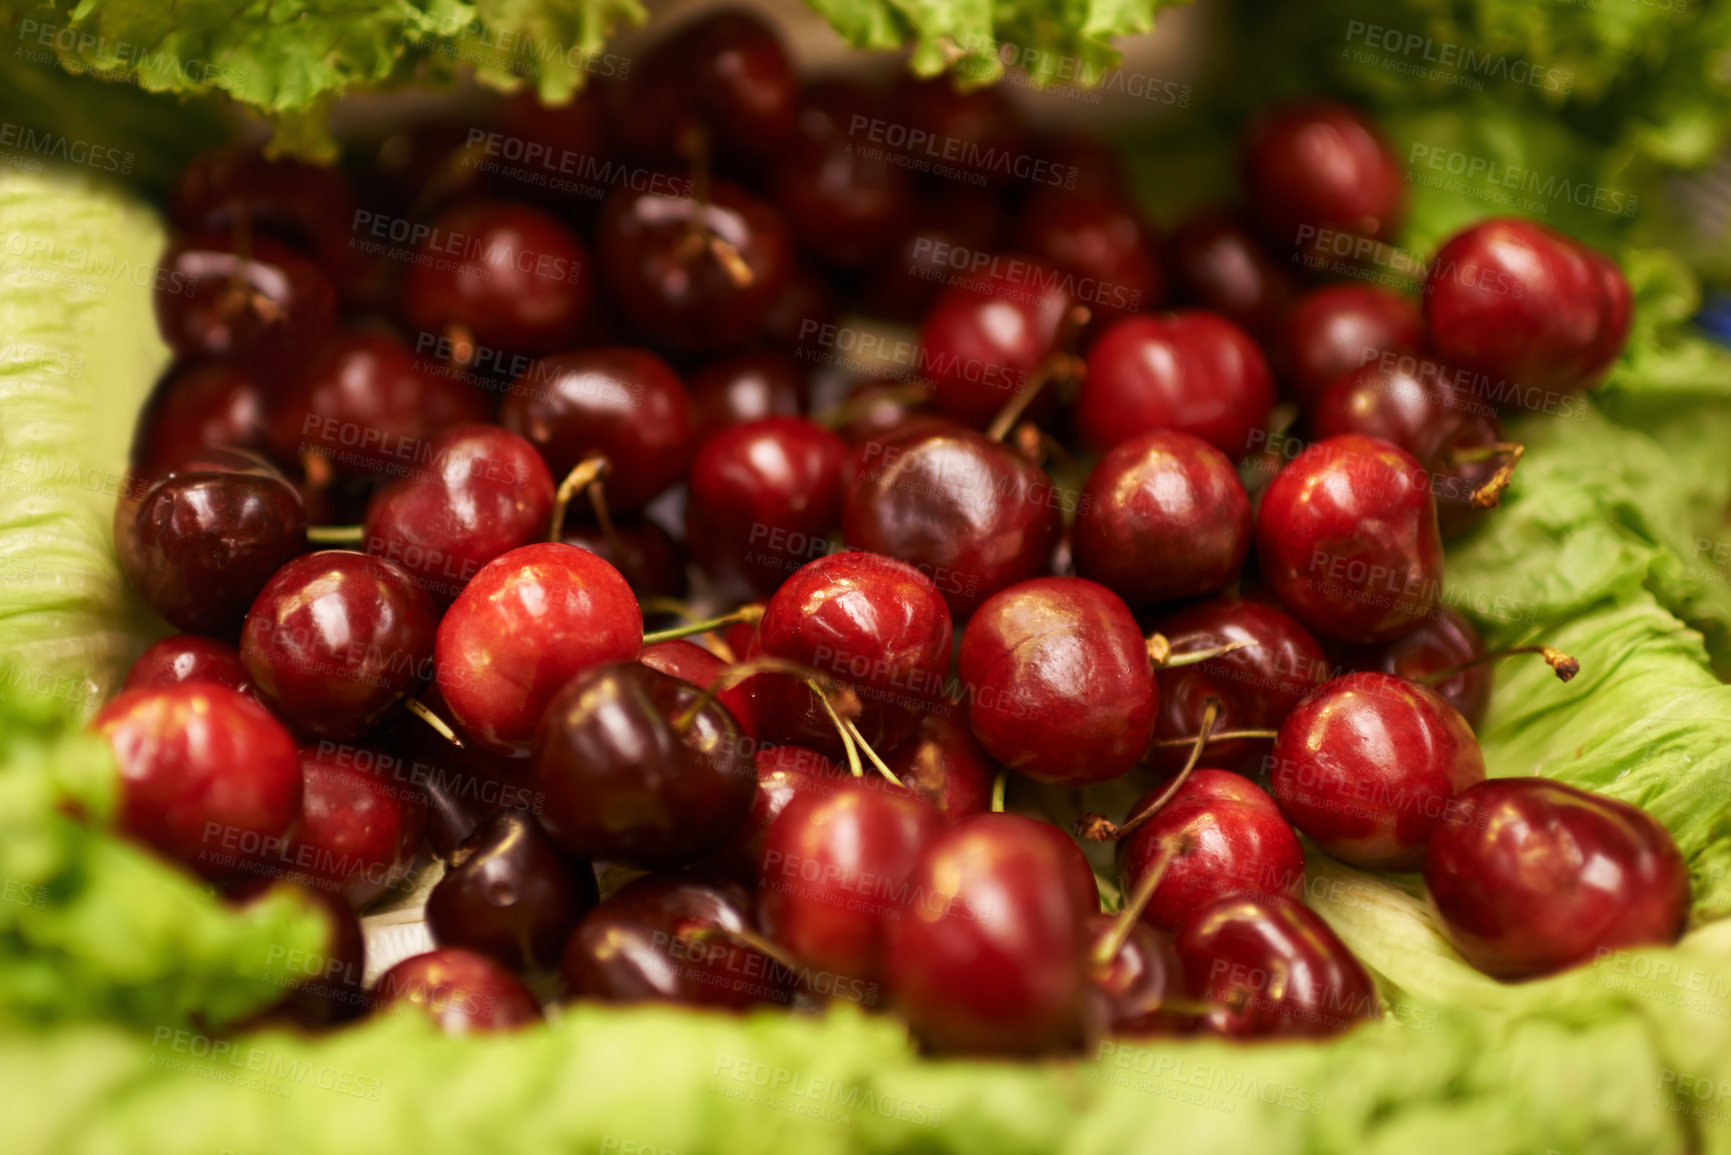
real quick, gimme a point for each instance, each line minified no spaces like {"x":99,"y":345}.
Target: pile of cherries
{"x":530,"y":418}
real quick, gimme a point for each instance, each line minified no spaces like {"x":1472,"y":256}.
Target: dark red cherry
{"x":464,"y":785}
{"x":945,"y":765}
{"x":763,"y":499}
{"x":1253,"y":688}
{"x":261,"y":304}
{"x":990,"y":333}
{"x":1441,"y":642}
{"x":327,"y":983}
{"x":664,"y":939}
{"x":955,"y":226}
{"x":1520,"y":302}
{"x":482,"y":492}
{"x":336,"y":640}
{"x":1227,"y":837}
{"x":197,"y":406}
{"x":308,"y":207}
{"x":529,"y":622}
{"x":845,"y":203}
{"x":796,"y":317}
{"x":1102,"y":241}
{"x":1347,"y":538}
{"x":988,"y":958}
{"x":1192,"y":371}
{"x":978,"y":130}
{"x":1334,"y":329}
{"x":463,"y":992}
{"x":1162,"y":517}
{"x":508,"y":275}
{"x":189,"y":658}
{"x":556,"y":155}
{"x":360,"y":831}
{"x":835,"y":876}
{"x":1368,"y":766}
{"x":970,"y":513}
{"x":207,"y":777}
{"x":745,"y":387}
{"x":1275,"y":968}
{"x":509,"y":893}
{"x":1061,"y":685}
{"x":648,"y":557}
{"x":782,"y":772}
{"x":1527,"y":877}
{"x":1321,"y":165}
{"x":1130,"y":995}
{"x":690,"y":662}
{"x":616,"y":402}
{"x":1088,"y":161}
{"x":1221,"y":265}
{"x":694,"y":275}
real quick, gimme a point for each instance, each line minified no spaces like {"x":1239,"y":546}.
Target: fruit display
{"x":854,"y":618}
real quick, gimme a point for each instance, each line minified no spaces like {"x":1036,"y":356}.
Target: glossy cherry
{"x":1526,"y":876}
{"x":1347,"y":538}
{"x":196,"y":406}
{"x":259,"y":303}
{"x":1441,"y":642}
{"x":1102,"y":241}
{"x":689,"y":661}
{"x":782,"y":772}
{"x":1321,"y":165}
{"x":529,"y":622}
{"x":1129,"y":996}
{"x":207,"y":777}
{"x":1162,"y":517}
{"x":1076,"y":875}
{"x":1221,"y":264}
{"x":1061,"y":685}
{"x":464,"y":993}
{"x":189,"y":658}
{"x":945,"y":764}
{"x":1334,"y":329}
{"x":743,"y":387}
{"x":992,"y":334}
{"x":649,"y":558}
{"x":360,"y":831}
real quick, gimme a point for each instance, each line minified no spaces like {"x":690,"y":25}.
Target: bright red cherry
{"x":1441,"y":642}
{"x":359,"y":831}
{"x":1334,"y":329}
{"x":207,"y":776}
{"x":1347,"y":538}
{"x":1192,"y":371}
{"x":1369,"y":765}
{"x":1222,"y":265}
{"x":743,"y":387}
{"x":1522,"y":303}
{"x":1102,"y":241}
{"x":990,"y":334}
{"x":1162,"y":517}
{"x":1062,"y":686}
{"x":461,"y":991}
{"x":1527,"y":877}
{"x":194,"y":407}
{"x":263,"y":305}
{"x":336,"y":640}
{"x":1318,"y":165}
{"x":529,"y":622}
{"x":1075,"y":873}
{"x":189,"y":658}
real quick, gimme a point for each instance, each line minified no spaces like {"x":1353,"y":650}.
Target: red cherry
{"x":207,"y":777}
{"x":745,"y":387}
{"x":1223,"y":266}
{"x":197,"y":406}
{"x":1368,"y":765}
{"x":1162,"y":517}
{"x":461,"y":991}
{"x":976,"y":129}
{"x":336,"y":640}
{"x":547,"y":150}
{"x":1334,"y":329}
{"x":990,"y":333}
{"x":359,"y":833}
{"x":1131,"y":994}
{"x":1347,"y":538}
{"x":264,"y":306}
{"x":1102,"y":240}
{"x":1062,"y":686}
{"x":1320,"y":164}
{"x":1192,"y":371}
{"x":1075,"y":873}
{"x":846,"y":204}
{"x":689,"y":661}
{"x":782,"y":772}
{"x":646,"y":556}
{"x":308,"y":207}
{"x":945,"y":765}
{"x":189,"y":658}
{"x":1441,"y":642}
{"x":529,"y":622}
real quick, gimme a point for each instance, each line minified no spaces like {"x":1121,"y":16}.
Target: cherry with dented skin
{"x":1163,"y":516}
{"x":1527,"y":877}
{"x":1334,"y":329}
{"x":1276,"y":969}
{"x":336,"y":640}
{"x":1347,"y":538}
{"x":1369,"y":765}
{"x":207,"y":777}
{"x":264,"y":306}
{"x":1062,"y":685}
{"x":990,"y":334}
{"x":359,"y":832}
{"x":529,"y":622}
{"x":1320,"y":165}
{"x":464,"y":993}
{"x":1441,"y":642}
{"x":1223,"y":266}
{"x":189,"y":658}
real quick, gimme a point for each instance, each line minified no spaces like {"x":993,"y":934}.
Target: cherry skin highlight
{"x":464,"y":993}
{"x":1334,"y":329}
{"x":189,"y":658}
{"x":1321,"y":165}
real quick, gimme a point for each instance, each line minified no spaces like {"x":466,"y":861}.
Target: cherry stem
{"x":587,"y":475}
{"x":1170,"y":848}
{"x":1097,"y":828}
{"x":1000,"y":786}
{"x":461,"y":341}
{"x":872,"y":755}
{"x":853,"y":763}
{"x":1488,"y":495}
{"x":336,"y":534}
{"x":656,"y":604}
{"x":441,"y":727}
{"x":746,"y":613}
{"x":1565,"y":666}
{"x":1222,"y":736}
{"x":1160,"y":653}
{"x":730,"y":678}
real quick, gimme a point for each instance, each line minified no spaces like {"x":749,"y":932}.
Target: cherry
{"x":694,"y":273}
{"x":762,"y":496}
{"x":1252,"y":688}
{"x":463,"y":785}
{"x":1347,"y":538}
{"x":836,"y":873}
{"x":989,"y":957}
{"x":199,"y":542}
{"x":1163,"y":516}
{"x":621,"y":403}
{"x":529,"y":622}
{"x":1368,"y":765}
{"x":1222,"y":266}
{"x":461,"y":991}
{"x":562,"y":148}
{"x":1527,"y":877}
{"x":977,"y":130}
{"x":671,"y":938}
{"x":646,"y":556}
{"x":1192,"y":371}
{"x":259,"y":303}
{"x":743,"y":387}
{"x":189,"y":658}
{"x":782,"y":772}
{"x":1235,"y":841}
{"x":952,"y":224}
{"x":1334,"y":329}
{"x":945,"y":765}
{"x":359,"y":834}
{"x":1100,"y":238}
{"x":1276,"y":969}
{"x":507,"y":275}
{"x":308,"y":207}
{"x":485,"y":492}
{"x":801,"y":308}
{"x":1443,"y":641}
{"x":971,"y":513}
{"x":690,"y":662}
{"x":1062,"y":688}
{"x":1131,"y":994}
{"x":1518,"y":301}
{"x":511,"y":895}
{"x":1076,"y":876}
{"x":207,"y":777}
{"x":992,"y":336}
{"x":336,"y":640}
{"x":1321,"y":165}
{"x":845,"y":204}
{"x":194,"y":407}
